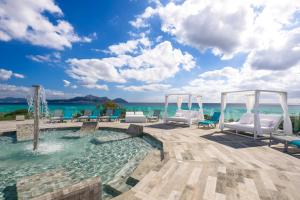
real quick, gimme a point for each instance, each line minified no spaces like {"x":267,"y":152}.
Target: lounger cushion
{"x":129,"y":113}
{"x":266,"y":123}
{"x":246,"y":127}
{"x":246,"y":118}
{"x":139,"y":113}
{"x":135,"y":119}
{"x":295,"y":143}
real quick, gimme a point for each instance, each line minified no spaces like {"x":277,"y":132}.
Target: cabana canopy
{"x":252,"y":104}
{"x":179,"y":103}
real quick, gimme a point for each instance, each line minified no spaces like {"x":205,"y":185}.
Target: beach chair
{"x":67,"y":116}
{"x":57,"y":116}
{"x":116,"y":115}
{"x":155,"y":116}
{"x":286,"y":139}
{"x":95,"y":115}
{"x":135,"y":117}
{"x":85,"y":116}
{"x":212,"y":122}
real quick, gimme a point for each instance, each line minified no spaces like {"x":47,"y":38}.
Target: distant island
{"x":89,"y":99}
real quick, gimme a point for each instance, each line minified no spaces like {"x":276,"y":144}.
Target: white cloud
{"x":7,"y":90}
{"x":7,"y":74}
{"x":230,"y":78}
{"x":158,"y":64}
{"x":280,"y":55}
{"x":131,"y":46}
{"x":18,"y":75}
{"x":96,"y":86}
{"x":25,"y":20}
{"x":151,"y":65}
{"x":145,"y":88}
{"x":90,"y":71}
{"x":69,"y":84}
{"x":66,"y":83}
{"x":228,"y":27}
{"x":51,"y":58}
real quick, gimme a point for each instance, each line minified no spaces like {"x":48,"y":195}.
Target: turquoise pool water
{"x":81,"y":158}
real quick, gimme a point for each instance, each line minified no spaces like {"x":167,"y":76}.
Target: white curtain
{"x":250,"y":102}
{"x":166,"y":108}
{"x":190,"y":102}
{"x":199,"y":101}
{"x":223,"y":107}
{"x":257,"y":126}
{"x":179,"y":102}
{"x":287,"y":123}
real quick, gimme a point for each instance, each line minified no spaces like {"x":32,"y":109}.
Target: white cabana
{"x":253,"y":121}
{"x":186,"y":116}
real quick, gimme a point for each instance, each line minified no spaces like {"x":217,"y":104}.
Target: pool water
{"x":81,"y":158}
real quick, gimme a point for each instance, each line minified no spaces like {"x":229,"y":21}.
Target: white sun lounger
{"x":135,"y":117}
{"x":185,"y":116}
{"x":269,"y":123}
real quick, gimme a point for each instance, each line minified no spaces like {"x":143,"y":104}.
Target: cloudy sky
{"x":139,"y":49}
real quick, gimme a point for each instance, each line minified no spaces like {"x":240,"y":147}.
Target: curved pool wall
{"x":80,"y":157}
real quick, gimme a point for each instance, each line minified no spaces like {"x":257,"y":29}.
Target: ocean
{"x":233,"y":111}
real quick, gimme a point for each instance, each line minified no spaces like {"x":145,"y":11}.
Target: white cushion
{"x":129,"y":113}
{"x":139,"y":113}
{"x":266,"y":123}
{"x":178,"y":114}
{"x":246,"y":118}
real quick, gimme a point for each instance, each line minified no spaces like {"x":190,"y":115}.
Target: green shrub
{"x":12,"y":115}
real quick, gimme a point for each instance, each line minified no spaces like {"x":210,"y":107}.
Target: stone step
{"x":105,"y":139}
{"x":151,"y":162}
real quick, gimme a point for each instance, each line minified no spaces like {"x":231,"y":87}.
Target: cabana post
{"x":260,"y":123}
{"x":186,"y":116}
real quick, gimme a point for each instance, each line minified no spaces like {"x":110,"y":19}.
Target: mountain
{"x":89,"y":99}
{"x":119,"y":100}
{"x":13,"y":100}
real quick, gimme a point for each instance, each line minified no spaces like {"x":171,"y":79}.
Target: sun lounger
{"x":287,"y":140}
{"x":185,"y":116}
{"x":67,"y":116}
{"x":57,"y":116}
{"x":116,"y":115}
{"x":155,"y":116}
{"x":212,"y":122}
{"x":86,"y":115}
{"x":269,"y":123}
{"x":95,"y":115}
{"x":135,"y":117}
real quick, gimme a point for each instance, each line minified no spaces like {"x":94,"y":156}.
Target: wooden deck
{"x":207,"y":164}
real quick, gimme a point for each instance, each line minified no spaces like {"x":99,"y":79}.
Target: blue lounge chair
{"x":86,"y":115}
{"x":68,"y":116}
{"x":116,"y":115}
{"x":57,"y":116}
{"x":95,"y":115}
{"x":212,"y":122}
{"x":295,"y":143}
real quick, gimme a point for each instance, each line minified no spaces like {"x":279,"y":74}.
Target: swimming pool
{"x":81,"y":158}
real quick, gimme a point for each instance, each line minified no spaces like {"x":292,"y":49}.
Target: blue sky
{"x":139,"y":50}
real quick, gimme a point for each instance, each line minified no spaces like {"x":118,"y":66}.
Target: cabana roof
{"x":245,"y":91}
{"x":183,"y":94}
